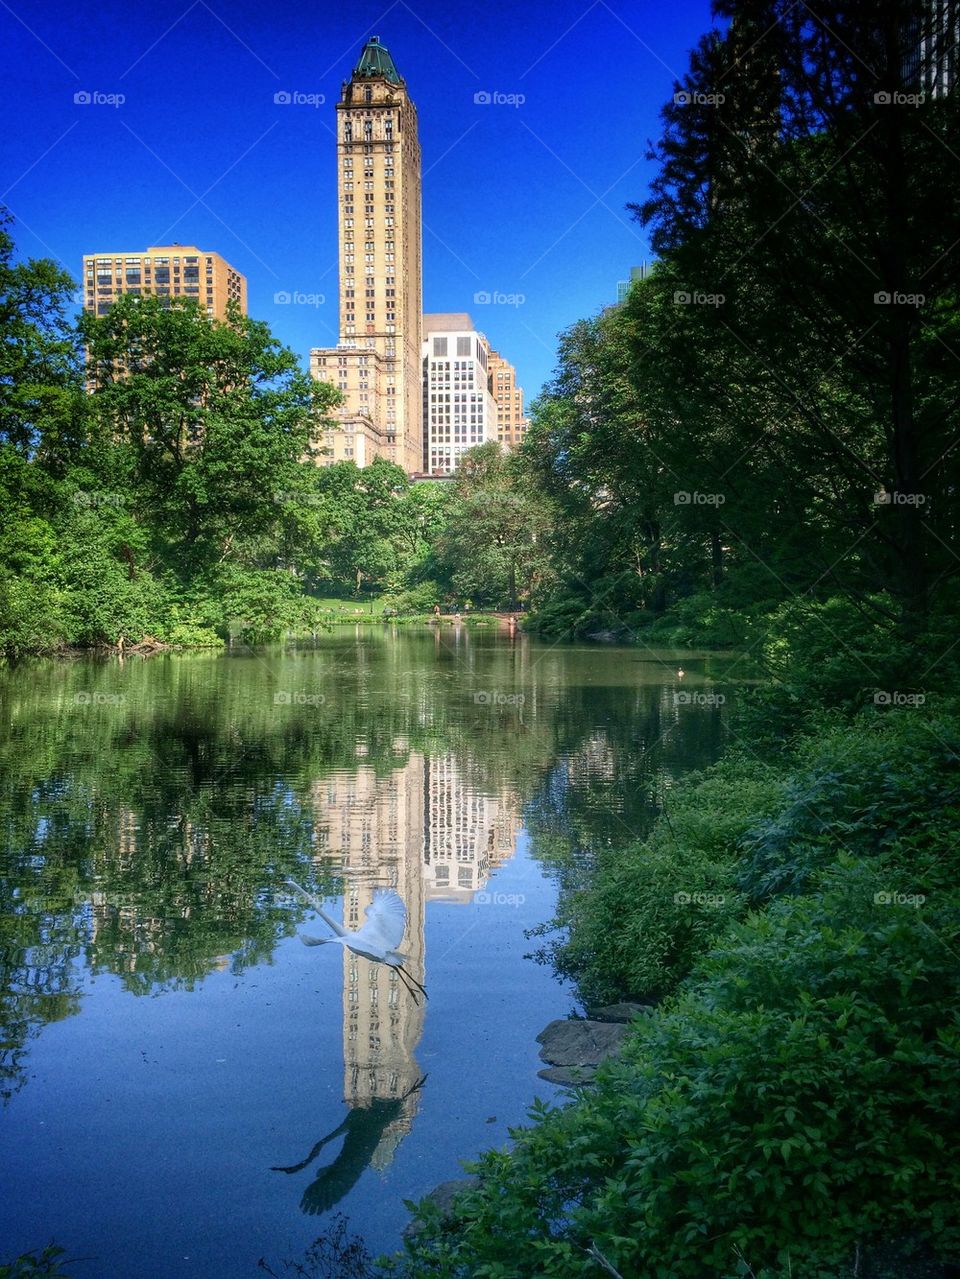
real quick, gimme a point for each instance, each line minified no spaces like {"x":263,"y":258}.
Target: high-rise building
{"x":933,"y":42}
{"x":458,"y":410}
{"x":624,"y":286}
{"x":508,"y":395}
{"x":169,"y":270}
{"x":376,"y":363}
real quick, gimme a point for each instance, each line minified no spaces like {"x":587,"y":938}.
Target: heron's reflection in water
{"x":365,"y":1131}
{"x":419,"y":831}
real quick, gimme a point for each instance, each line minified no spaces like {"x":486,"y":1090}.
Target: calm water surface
{"x":186,"y":1086}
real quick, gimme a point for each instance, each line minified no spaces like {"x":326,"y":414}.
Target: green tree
{"x":212,"y":419}
{"x":494,"y":548}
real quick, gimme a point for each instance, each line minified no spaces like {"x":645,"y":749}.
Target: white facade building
{"x":458,"y":410}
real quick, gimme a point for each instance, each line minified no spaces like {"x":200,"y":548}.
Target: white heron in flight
{"x":378,"y":937}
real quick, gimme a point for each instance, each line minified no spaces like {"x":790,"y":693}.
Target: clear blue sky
{"x":523,"y":200}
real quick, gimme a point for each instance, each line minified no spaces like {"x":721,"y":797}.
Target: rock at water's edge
{"x":580,"y":1042}
{"x":442,"y":1196}
{"x":619,"y":1012}
{"x":568,"y":1076}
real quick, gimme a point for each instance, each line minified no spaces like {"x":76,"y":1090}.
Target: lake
{"x":187,"y":1087}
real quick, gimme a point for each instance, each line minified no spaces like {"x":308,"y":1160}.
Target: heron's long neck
{"x":315,"y":903}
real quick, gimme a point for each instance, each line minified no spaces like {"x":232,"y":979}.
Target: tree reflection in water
{"x":152,"y":810}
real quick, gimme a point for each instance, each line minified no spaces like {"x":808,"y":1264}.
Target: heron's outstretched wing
{"x":385,"y":919}
{"x":315,"y":941}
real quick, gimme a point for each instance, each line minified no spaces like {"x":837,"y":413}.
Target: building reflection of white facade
{"x":466,"y":833}
{"x":421,"y":830}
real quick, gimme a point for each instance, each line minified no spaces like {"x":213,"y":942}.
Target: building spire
{"x":375,"y":60}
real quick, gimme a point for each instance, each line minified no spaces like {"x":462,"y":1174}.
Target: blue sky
{"x":520,"y":200}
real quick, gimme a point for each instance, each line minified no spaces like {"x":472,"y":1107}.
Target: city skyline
{"x":218,"y":163}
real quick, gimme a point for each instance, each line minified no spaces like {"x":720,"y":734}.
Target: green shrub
{"x":416,"y":599}
{"x":652,"y":908}
{"x":886,"y":787}
{"x":794,"y":1104}
{"x":31,"y":617}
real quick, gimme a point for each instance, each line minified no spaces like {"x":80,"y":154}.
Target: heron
{"x":378,"y":937}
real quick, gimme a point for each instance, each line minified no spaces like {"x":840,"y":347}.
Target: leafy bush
{"x":31,"y":617}
{"x":416,"y":599}
{"x":652,"y":908}
{"x":886,"y":787}
{"x":794,"y":1104}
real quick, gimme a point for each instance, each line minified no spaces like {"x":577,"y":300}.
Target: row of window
{"x":368,"y":149}
{"x":160,"y":261}
{"x":464,"y":346}
{"x":366,"y":130}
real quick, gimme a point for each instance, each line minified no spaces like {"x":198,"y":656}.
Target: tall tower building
{"x":377,"y":362}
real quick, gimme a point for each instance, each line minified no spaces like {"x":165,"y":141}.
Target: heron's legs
{"x":411,"y":977}
{"x":406,"y":979}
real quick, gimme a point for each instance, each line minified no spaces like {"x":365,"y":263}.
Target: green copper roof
{"x":376,"y":61}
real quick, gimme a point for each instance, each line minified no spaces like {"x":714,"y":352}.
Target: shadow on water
{"x":367,"y":1131}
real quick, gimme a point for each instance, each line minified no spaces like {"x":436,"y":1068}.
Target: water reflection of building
{"x":422,"y":829}
{"x":372,"y":824}
{"x":466,"y":834}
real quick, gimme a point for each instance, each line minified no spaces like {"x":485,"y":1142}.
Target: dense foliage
{"x":786,"y":1109}
{"x":771,"y":415}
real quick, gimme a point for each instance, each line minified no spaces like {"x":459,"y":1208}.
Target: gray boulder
{"x":443,"y":1196}
{"x":619,"y":1012}
{"x":580,"y":1042}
